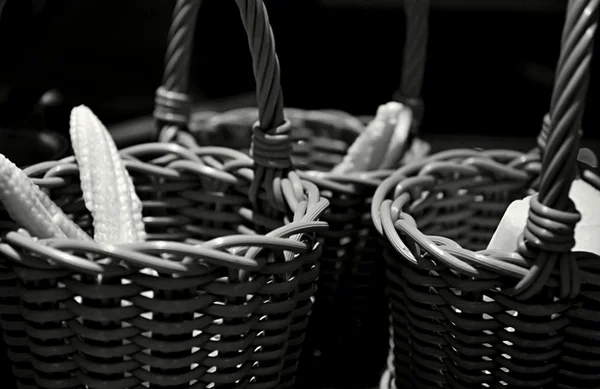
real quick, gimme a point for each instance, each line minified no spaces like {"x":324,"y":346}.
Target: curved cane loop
{"x":550,"y":230}
{"x":415,"y":52}
{"x":168,"y":133}
{"x":271,"y":141}
{"x":172,"y":103}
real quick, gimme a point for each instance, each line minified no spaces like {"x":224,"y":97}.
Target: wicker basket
{"x":219,"y":295}
{"x":463,"y":316}
{"x":348,"y":329}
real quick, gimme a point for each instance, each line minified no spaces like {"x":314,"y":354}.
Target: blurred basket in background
{"x":221,"y":292}
{"x":348,"y":328}
{"x":465,"y":316}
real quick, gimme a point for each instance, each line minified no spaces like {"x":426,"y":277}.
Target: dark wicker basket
{"x":220,"y":294}
{"x":464,"y":316}
{"x":348,"y":321}
{"x":348,"y":329}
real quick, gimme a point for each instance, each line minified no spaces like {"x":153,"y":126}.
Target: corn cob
{"x":400,"y":122}
{"x":31,"y":208}
{"x":107,"y":188}
{"x":382,"y":141}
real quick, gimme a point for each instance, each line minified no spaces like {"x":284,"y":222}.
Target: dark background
{"x":489,"y":71}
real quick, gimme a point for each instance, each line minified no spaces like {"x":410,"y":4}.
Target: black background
{"x":488,"y":72}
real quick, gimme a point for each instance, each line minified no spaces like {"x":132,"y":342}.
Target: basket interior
{"x":429,"y":349}
{"x":455,"y":330}
{"x":132,"y":326}
{"x":349,"y":319}
{"x":464,"y":210}
{"x":320,"y":142}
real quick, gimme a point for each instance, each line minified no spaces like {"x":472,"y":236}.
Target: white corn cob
{"x":71,"y":230}
{"x":31,"y":208}
{"x":382,"y":140}
{"x":134,"y":205}
{"x":107,"y":188}
{"x":400,"y":121}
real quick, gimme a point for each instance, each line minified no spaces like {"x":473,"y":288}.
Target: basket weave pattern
{"x":167,"y":328}
{"x":463,"y":316}
{"x":458,"y":331}
{"x":219,"y":295}
{"x":349,"y":303}
{"x":349,"y":319}
{"x":443,"y":321}
{"x":13,"y":330}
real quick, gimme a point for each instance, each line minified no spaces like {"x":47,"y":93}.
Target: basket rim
{"x":407,"y":184}
{"x":346,"y":183}
{"x":196,"y":259}
{"x":173,"y":163}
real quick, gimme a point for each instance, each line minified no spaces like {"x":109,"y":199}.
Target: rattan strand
{"x":464,"y":319}
{"x":173,"y":323}
{"x":172,"y":104}
{"x":415,"y":48}
{"x":270,"y":136}
{"x":351,"y":273}
{"x":349,"y":303}
{"x":351,"y":283}
{"x":251,"y":314}
{"x":454,"y":330}
{"x":415,"y":54}
{"x":11,"y":320}
{"x":409,"y":91}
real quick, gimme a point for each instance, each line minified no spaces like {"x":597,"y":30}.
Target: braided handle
{"x":172,"y":103}
{"x":549,"y":233}
{"x":271,"y":142}
{"x":415,"y":52}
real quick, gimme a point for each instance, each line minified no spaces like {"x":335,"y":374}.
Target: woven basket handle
{"x":415,"y":53}
{"x":172,"y":106}
{"x":271,"y":141}
{"x":549,"y":233}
